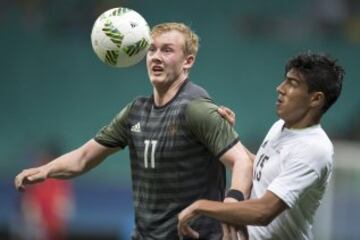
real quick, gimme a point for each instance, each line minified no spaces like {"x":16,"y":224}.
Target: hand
{"x":184,"y":218}
{"x":242,"y":233}
{"x":228,"y":114}
{"x":30,"y":176}
{"x":231,"y":232}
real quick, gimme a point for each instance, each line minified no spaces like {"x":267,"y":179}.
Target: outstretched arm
{"x":66,"y":166}
{"x":250,"y":212}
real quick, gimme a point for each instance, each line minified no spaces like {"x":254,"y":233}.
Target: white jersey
{"x":296,"y":166}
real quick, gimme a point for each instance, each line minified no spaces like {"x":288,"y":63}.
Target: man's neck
{"x":162,"y":95}
{"x":305,"y":123}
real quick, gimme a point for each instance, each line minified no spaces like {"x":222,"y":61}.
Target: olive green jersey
{"x":174,"y":152}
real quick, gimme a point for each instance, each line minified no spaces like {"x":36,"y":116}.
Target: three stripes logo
{"x":136,"y":47}
{"x":113,"y":33}
{"x":136,"y":128}
{"x":111,"y":57}
{"x":116,"y":37}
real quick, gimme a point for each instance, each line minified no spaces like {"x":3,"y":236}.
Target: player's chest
{"x":165,"y":125}
{"x":159,"y":131}
{"x":267,"y":164}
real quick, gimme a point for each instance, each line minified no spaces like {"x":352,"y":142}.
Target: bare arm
{"x":250,"y":212}
{"x":238,"y":159}
{"x":66,"y":166}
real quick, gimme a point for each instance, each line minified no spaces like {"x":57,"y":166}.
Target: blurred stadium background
{"x":53,"y":88}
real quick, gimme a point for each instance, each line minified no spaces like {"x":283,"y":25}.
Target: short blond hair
{"x":191,"y":45}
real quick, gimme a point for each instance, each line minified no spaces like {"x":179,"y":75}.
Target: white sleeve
{"x":293,"y":181}
{"x":303,"y":168}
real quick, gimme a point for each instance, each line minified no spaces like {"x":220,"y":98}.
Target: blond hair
{"x":191,"y":45}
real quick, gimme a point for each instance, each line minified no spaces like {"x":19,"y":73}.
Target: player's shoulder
{"x":274,"y":130}
{"x":142,"y":99}
{"x":141,"y":102}
{"x":315,"y":149}
{"x":316,"y":140}
{"x":191,"y":91}
{"x":200,"y":108}
{"x":277,"y":126}
{"x":202,"y":111}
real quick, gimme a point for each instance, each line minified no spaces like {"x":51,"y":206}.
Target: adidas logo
{"x":136,"y":128}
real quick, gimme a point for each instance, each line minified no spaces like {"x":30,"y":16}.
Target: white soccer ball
{"x":120,"y":37}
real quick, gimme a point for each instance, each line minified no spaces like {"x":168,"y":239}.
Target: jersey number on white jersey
{"x":259,"y":166}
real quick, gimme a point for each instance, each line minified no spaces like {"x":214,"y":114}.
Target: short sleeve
{"x":115,"y":134}
{"x":293,"y":182}
{"x":303,"y":169}
{"x":209,"y":127}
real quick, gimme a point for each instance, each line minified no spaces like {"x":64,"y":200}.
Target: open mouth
{"x":157,"y":69}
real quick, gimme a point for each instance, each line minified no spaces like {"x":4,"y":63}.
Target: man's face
{"x":165,"y":58}
{"x":293,"y":103}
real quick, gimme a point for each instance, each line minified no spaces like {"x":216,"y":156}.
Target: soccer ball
{"x":120,"y":37}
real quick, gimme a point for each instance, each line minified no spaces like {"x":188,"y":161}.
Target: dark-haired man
{"x":294,"y":162}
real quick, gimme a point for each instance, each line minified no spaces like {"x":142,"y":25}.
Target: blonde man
{"x":177,"y":141}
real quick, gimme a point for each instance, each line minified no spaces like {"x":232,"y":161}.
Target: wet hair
{"x":191,"y":45}
{"x":321,"y":73}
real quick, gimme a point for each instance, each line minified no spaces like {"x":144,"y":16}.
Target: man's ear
{"x":189,"y":61}
{"x":317,"y":100}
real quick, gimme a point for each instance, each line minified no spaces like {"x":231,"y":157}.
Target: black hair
{"x":321,"y":73}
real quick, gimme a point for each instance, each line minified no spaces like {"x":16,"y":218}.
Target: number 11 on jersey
{"x":152,"y":145}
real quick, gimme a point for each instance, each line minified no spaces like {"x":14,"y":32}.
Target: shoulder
{"x":315,"y":150}
{"x":201,"y":108}
{"x":193,"y":91}
{"x":274,"y":130}
{"x":141,"y":102}
{"x":277,"y":126}
{"x":142,"y":99}
{"x":131,"y":108}
{"x":202,"y":115}
{"x":315,"y":143}
{"x":206,"y":124}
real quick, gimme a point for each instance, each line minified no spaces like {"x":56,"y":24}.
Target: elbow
{"x":264,"y":219}
{"x":80,"y":162}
